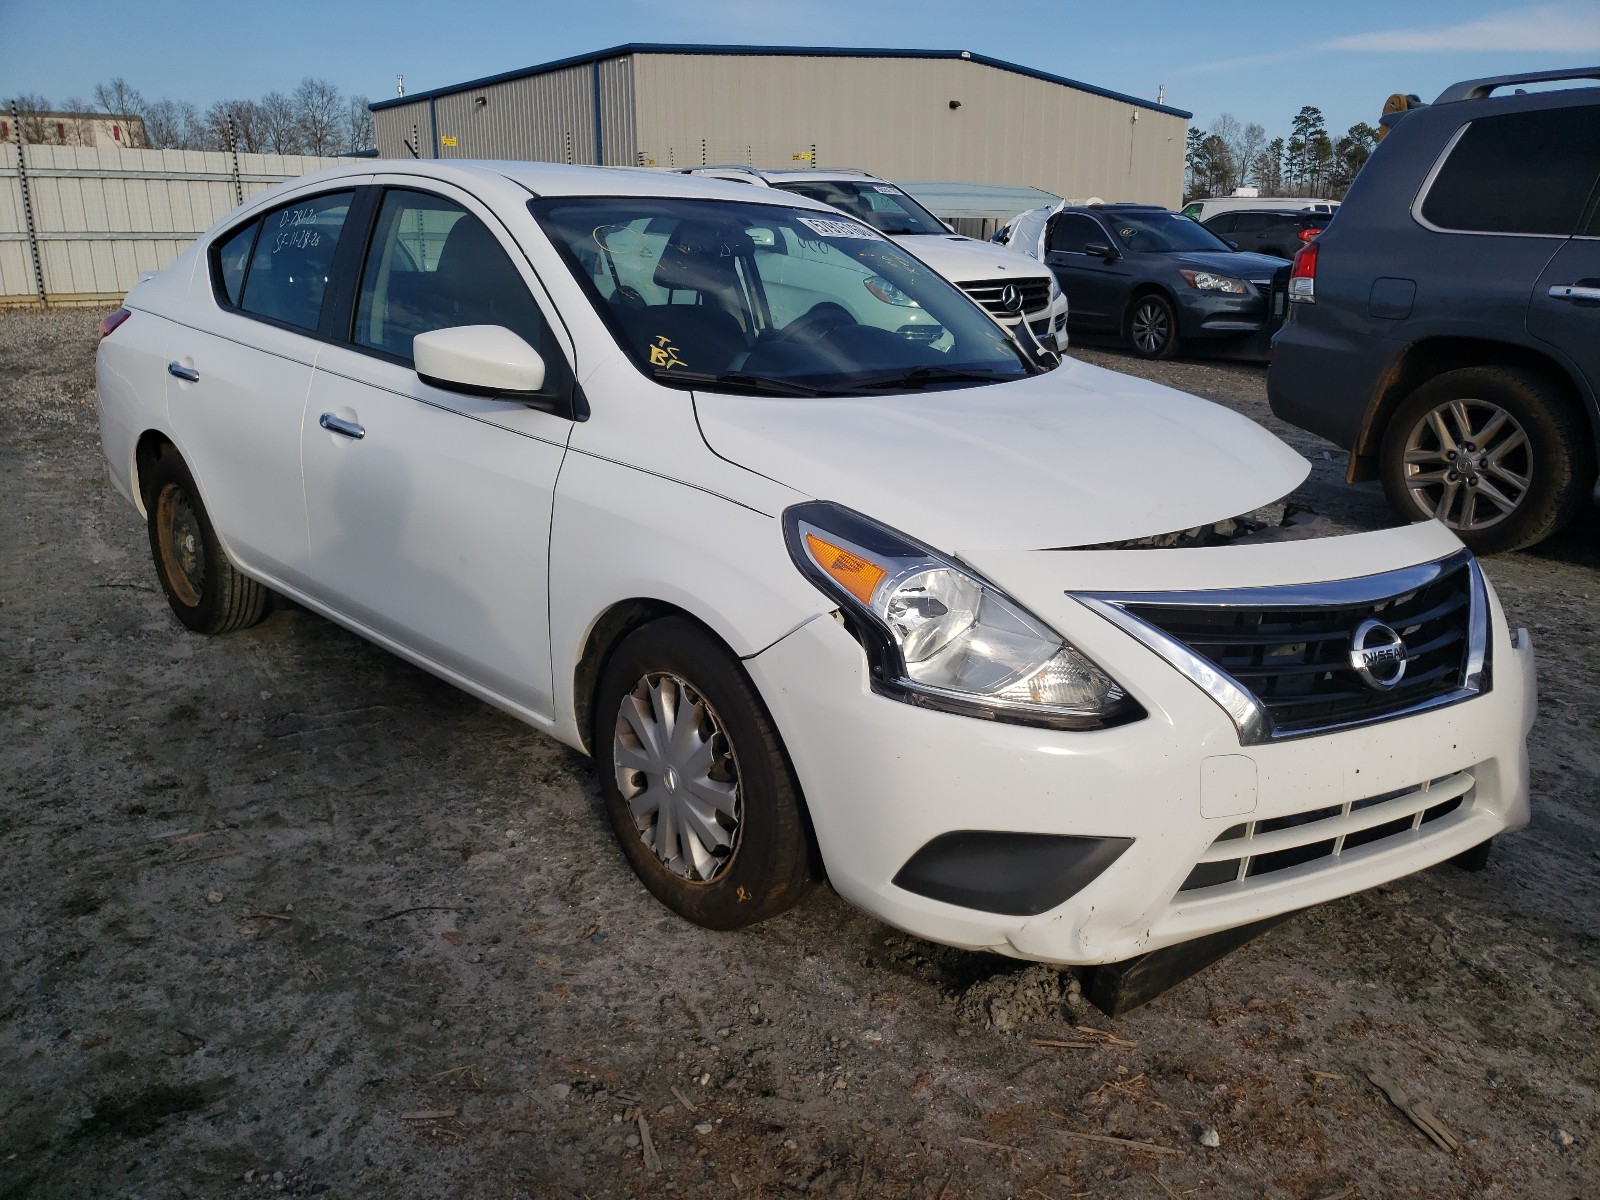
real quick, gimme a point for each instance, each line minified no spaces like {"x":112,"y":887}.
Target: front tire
{"x":696,"y":783}
{"x":1496,"y":453}
{"x":204,"y":589}
{"x":1153,"y":327}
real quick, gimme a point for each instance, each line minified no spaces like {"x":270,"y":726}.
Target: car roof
{"x":1304,"y":213}
{"x":555,"y":179}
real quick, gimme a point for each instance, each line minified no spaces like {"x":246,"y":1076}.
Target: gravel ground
{"x":284,"y":915}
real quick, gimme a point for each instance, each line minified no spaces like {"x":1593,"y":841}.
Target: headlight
{"x":888,"y":292}
{"x":1205,"y":281}
{"x":940,"y":636}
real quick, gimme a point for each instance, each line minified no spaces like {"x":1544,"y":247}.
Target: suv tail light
{"x":1303,"y":275}
{"x":1309,"y":232}
{"x":110,"y":321}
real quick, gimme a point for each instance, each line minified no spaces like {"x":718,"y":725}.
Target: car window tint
{"x":1251,"y":222}
{"x":1220,"y":225}
{"x":233,"y":256}
{"x":433,"y":265}
{"x":1528,"y":172}
{"x":293,"y":256}
{"x":1073,"y":231}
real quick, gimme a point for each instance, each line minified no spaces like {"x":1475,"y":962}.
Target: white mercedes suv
{"x":1012,"y":287}
{"x":1020,"y":657}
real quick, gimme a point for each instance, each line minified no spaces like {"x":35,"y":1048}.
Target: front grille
{"x":1285,"y":652}
{"x":1265,"y":847}
{"x":987,"y":292}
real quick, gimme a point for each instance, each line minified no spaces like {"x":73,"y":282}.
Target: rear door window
{"x":289,"y":272}
{"x":1528,"y":172}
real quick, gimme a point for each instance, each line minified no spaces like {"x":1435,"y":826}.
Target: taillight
{"x":1310,"y":232}
{"x":1303,"y":275}
{"x":110,"y":321}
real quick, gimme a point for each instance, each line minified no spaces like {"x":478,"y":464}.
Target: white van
{"x":1199,"y":210}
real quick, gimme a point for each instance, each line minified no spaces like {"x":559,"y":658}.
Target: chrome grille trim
{"x":1245,"y":709}
{"x":986,"y":292}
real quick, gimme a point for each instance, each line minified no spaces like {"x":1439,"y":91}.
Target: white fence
{"x":101,"y":217}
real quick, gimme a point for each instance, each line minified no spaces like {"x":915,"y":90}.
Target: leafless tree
{"x":279,"y":132}
{"x":245,"y":117}
{"x":1247,"y":148}
{"x":31,"y":109}
{"x":319,"y":112}
{"x":119,"y":98}
{"x":174,"y":125}
{"x":358,"y":125}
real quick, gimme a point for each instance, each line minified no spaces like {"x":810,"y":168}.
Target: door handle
{"x":1574,"y":291}
{"x":183,"y":372}
{"x":338,"y":425}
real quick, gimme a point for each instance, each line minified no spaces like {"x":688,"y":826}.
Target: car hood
{"x":1240,"y":264}
{"x":1075,"y":457}
{"x":962,"y":260}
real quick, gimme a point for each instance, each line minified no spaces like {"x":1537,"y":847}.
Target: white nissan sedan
{"x":829,"y":575}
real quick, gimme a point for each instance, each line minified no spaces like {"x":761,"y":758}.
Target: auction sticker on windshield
{"x":838,"y":229}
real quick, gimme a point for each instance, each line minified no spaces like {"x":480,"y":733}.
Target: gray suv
{"x":1445,"y":327}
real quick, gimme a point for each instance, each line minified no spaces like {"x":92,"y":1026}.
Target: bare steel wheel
{"x":676,"y":769}
{"x":180,"y":544}
{"x":697,"y":785}
{"x":1499,"y":454}
{"x":1153,"y":327}
{"x":204,"y":589}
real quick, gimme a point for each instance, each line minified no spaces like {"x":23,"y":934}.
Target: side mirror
{"x":1101,"y":250}
{"x":1233,"y":245}
{"x":762,"y":238}
{"x":483,"y":360}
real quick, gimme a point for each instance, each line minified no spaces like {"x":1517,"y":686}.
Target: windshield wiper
{"x":922,"y":376}
{"x":735,"y":379}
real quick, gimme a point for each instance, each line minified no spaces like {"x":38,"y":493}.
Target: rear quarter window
{"x":1528,"y":173}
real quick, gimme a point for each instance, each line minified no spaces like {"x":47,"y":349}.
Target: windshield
{"x":765,"y":297}
{"x":1161,"y":233}
{"x":882,"y":205}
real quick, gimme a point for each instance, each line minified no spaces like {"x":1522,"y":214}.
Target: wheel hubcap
{"x":677,"y":771}
{"x":1150,"y":327}
{"x":183,"y":553}
{"x":1468,"y":463}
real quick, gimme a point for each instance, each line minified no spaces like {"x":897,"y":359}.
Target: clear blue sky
{"x":1259,"y":61}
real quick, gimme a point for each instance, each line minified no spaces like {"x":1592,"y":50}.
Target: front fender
{"x":619,"y":533}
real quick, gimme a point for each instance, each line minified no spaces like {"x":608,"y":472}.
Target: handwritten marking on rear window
{"x":291,"y":235}
{"x":838,"y":229}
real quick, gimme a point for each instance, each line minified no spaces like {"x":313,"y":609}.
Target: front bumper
{"x":1048,"y":324}
{"x":883,"y":779}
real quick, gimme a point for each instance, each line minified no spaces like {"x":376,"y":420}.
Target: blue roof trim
{"x":579,"y":60}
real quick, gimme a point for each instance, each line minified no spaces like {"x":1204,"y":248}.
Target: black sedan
{"x":1159,"y":279}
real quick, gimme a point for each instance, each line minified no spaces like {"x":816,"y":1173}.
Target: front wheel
{"x":1153,"y":327}
{"x":205,"y":591}
{"x":1495,"y":453}
{"x":698,"y":789}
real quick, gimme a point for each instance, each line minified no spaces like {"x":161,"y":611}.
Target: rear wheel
{"x":1153,"y":327}
{"x":1496,"y":453}
{"x":205,"y":591}
{"x":697,"y":786}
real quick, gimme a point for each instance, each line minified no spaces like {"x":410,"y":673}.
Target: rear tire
{"x":1497,"y":453}
{"x":1153,"y":326}
{"x":204,"y":589}
{"x":696,"y":783}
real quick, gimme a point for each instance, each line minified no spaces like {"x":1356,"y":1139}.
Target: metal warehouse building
{"x":902,"y":114}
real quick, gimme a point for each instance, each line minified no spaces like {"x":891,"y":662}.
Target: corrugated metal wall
{"x":892,"y":116}
{"x":105,"y":215}
{"x":392,"y":128}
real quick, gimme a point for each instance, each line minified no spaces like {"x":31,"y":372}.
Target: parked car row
{"x":831,"y":574}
